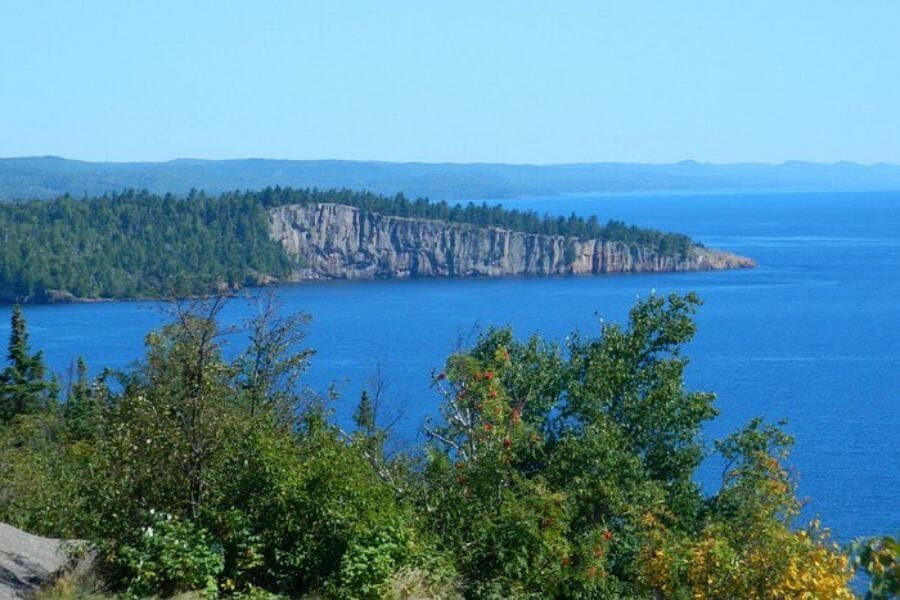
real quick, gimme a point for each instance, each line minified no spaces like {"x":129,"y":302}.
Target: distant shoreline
{"x":248,"y":292}
{"x":50,"y":176}
{"x":746,"y":191}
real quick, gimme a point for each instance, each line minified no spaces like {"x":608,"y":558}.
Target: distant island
{"x":48,"y":177}
{"x":144,"y":245}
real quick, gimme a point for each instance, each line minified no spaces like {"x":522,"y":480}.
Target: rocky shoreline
{"x":333,"y":241}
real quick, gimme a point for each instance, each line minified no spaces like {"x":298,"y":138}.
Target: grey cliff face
{"x":333,"y":241}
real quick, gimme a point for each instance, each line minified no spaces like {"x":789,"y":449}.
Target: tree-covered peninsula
{"x":137,"y":244}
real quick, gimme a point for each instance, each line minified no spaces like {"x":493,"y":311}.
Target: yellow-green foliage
{"x":72,"y":588}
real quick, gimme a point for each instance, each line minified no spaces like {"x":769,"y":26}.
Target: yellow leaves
{"x":815,"y":573}
{"x":658,"y":570}
{"x":659,"y":558}
{"x":764,"y":562}
{"x":711,"y":570}
{"x":648,"y":519}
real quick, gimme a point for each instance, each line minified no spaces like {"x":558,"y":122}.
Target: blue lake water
{"x":812,"y":335}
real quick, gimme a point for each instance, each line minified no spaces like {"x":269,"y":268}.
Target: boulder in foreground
{"x":27,"y":562}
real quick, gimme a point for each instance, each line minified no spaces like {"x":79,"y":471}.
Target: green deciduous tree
{"x":269,"y":369}
{"x":569,"y":473}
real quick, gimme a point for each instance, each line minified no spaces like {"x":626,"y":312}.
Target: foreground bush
{"x":171,"y":555}
{"x":553,"y":472}
{"x":569,"y":473}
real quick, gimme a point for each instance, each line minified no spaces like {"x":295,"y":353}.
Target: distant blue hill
{"x":44,"y":177}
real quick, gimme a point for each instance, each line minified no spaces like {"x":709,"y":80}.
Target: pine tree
{"x":364,"y":416}
{"x":80,"y":409}
{"x":23,"y":387}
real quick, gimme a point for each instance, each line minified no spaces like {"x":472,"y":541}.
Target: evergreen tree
{"x":23,"y":388}
{"x":80,"y":410}
{"x":364,"y":416}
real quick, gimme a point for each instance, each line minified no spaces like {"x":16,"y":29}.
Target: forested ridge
{"x":138,"y":244}
{"x":49,"y":176}
{"x":133,"y":244}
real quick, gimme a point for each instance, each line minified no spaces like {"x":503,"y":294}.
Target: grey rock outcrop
{"x":333,"y":241}
{"x":27,"y":562}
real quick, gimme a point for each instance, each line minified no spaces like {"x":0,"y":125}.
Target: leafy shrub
{"x":369,"y":562}
{"x":746,"y":546}
{"x":171,"y":555}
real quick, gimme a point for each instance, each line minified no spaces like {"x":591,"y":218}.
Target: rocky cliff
{"x":333,"y":241}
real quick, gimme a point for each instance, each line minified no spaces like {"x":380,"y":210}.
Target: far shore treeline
{"x":553,"y":471}
{"x":136,"y":244}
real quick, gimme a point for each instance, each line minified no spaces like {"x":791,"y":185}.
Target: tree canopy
{"x":552,"y":471}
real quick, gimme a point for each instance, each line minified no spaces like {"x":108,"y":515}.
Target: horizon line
{"x":683,"y":162}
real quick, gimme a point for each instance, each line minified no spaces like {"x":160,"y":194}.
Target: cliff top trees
{"x":134,"y":244}
{"x":137,"y":244}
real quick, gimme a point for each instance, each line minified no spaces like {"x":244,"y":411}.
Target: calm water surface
{"x":812,"y":335}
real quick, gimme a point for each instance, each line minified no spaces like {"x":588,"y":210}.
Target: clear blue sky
{"x":492,"y":81}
